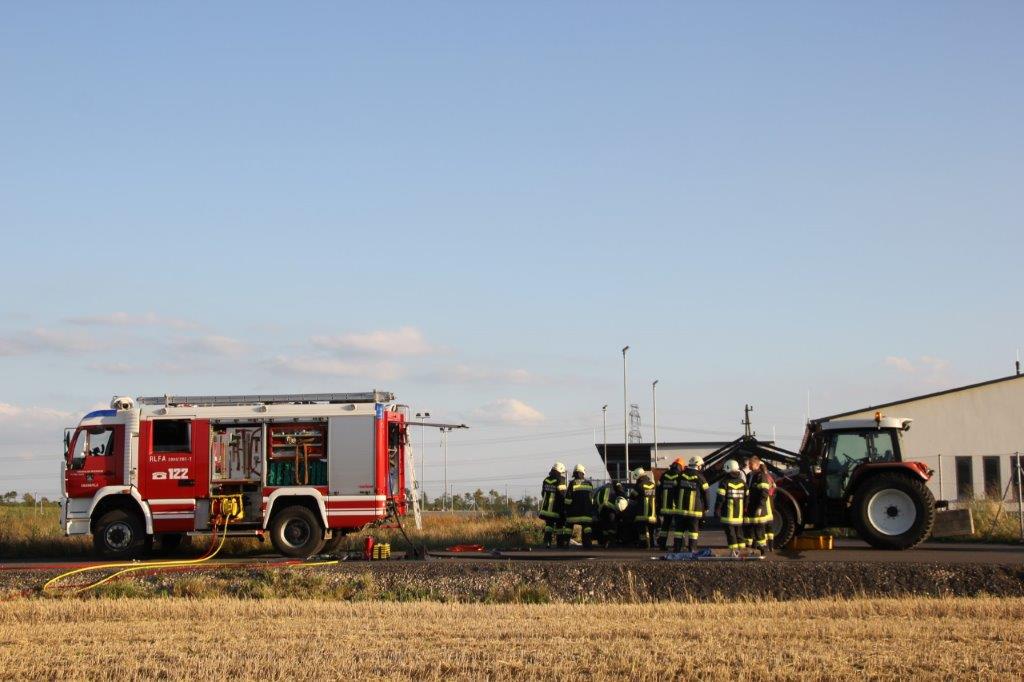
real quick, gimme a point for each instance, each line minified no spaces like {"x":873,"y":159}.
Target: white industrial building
{"x":968,"y":435}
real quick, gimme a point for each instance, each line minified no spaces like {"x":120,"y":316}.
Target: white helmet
{"x":731,"y":466}
{"x":579,"y":469}
{"x":621,"y":504}
{"x":638,"y":472}
{"x":559,"y":467}
{"x":696,"y":462}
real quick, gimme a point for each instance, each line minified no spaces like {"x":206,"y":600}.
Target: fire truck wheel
{"x":893,"y":511}
{"x":783,"y":523}
{"x":119,"y":535}
{"x":296,"y":532}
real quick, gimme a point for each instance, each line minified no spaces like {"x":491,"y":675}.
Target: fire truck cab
{"x":305,"y":469}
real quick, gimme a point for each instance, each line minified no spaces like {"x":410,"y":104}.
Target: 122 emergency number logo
{"x":172,"y":473}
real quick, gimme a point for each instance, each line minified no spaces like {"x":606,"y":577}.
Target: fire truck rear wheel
{"x":296,"y":532}
{"x":893,"y":511}
{"x":120,"y":534}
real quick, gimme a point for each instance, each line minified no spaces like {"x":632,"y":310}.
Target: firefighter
{"x":769,"y":521}
{"x":748,"y":529}
{"x":757,"y":496}
{"x":667,"y":499}
{"x":646,"y":520}
{"x":610,"y":501}
{"x":692,"y":503}
{"x":579,"y":505}
{"x":552,"y":504}
{"x":732,"y":493}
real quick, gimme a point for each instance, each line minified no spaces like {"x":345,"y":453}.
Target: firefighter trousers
{"x":645,"y":532}
{"x":556,"y":528}
{"x":734,"y":535}
{"x":670,"y":524}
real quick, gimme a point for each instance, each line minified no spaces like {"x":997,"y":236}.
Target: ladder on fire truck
{"x":271,"y":399}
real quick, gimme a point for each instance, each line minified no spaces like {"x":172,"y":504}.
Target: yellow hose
{"x":137,"y":567}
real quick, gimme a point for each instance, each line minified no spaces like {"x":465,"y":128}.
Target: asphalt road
{"x":844,"y":551}
{"x":847,"y":551}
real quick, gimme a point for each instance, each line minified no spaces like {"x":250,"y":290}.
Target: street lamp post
{"x":654,"y":396}
{"x":625,"y":414}
{"x":444,"y":447}
{"x":421,"y":416}
{"x":604,"y":422}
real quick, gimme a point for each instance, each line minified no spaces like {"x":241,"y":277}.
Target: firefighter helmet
{"x":621,"y":504}
{"x":678,"y":462}
{"x":638,"y":472}
{"x":696,"y":462}
{"x":731,"y":466}
{"x":559,"y":467}
{"x":579,"y":469}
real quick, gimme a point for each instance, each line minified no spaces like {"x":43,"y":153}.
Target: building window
{"x":993,"y":481}
{"x":172,"y":435}
{"x":965,"y":478}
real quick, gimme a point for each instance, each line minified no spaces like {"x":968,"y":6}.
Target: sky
{"x":477,"y":205}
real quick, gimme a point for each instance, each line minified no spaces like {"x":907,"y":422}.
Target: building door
{"x":965,"y":478}
{"x":993,"y":480}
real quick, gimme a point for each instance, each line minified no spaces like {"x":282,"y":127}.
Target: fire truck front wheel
{"x":119,"y":534}
{"x":296,"y":532}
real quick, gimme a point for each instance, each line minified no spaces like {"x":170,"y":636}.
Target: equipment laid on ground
{"x":304,"y":469}
{"x":849,"y":473}
{"x":806,"y":542}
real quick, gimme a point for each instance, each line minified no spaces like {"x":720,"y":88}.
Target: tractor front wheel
{"x":893,"y":511}
{"x":783,"y":522}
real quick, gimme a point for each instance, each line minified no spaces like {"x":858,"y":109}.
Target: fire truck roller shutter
{"x":351,"y":456}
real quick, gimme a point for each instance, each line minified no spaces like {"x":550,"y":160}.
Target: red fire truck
{"x":304,"y":469}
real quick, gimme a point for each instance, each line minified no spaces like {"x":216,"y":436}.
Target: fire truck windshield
{"x":96,"y":441}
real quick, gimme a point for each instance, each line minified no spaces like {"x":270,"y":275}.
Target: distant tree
{"x":28,"y":499}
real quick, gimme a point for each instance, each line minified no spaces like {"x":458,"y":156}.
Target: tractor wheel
{"x":331,"y":546}
{"x":120,"y":534}
{"x":783,"y":522}
{"x":893,"y":511}
{"x":296,"y":532}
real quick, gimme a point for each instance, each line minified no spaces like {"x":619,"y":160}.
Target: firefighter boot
{"x":691,"y":545}
{"x":547,"y":539}
{"x":677,"y":545}
{"x":663,"y":543}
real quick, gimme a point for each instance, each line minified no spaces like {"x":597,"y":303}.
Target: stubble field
{"x":287,"y":639}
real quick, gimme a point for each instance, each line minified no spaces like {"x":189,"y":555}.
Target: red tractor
{"x":848,"y":474}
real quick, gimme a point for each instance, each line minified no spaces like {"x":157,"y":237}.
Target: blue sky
{"x":477,"y":205}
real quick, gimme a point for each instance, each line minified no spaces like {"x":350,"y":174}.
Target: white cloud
{"x":41,"y":340}
{"x":31,"y":415}
{"x":468,"y":374}
{"x":212,"y":345}
{"x":403,"y":341}
{"x":384,"y":371}
{"x":123,"y":319}
{"x":902,"y":364}
{"x":508,"y":411}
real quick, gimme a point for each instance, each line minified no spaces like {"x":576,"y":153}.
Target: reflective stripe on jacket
{"x":552,"y":497}
{"x":732,"y":493}
{"x":579,"y":502}
{"x":644,"y":493}
{"x":692,"y":486}
{"x":668,"y":487}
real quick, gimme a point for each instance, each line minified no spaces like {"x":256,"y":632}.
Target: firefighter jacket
{"x":579,"y":501}
{"x":643,"y":493}
{"x":732,"y":494}
{"x":691,"y":493}
{"x":552,"y":497}
{"x":668,"y":493}
{"x":757,"y":496}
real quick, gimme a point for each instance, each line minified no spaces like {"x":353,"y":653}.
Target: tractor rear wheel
{"x":783,"y":522}
{"x":893,"y":511}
